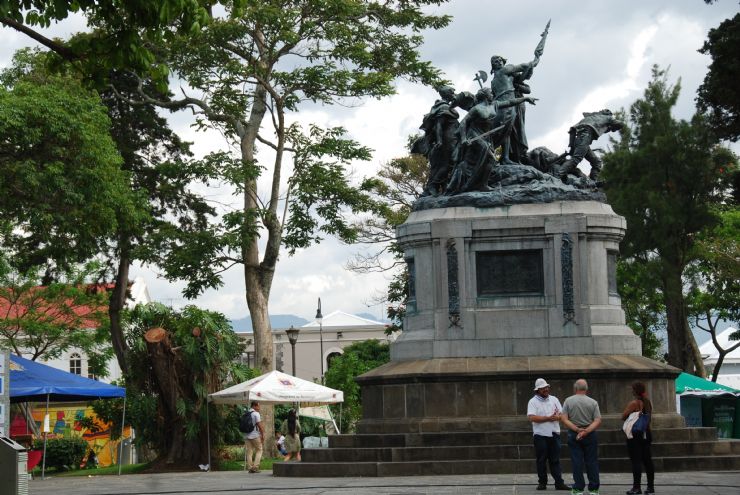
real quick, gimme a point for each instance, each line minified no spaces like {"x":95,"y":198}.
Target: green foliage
{"x":719,"y":94}
{"x":270,"y":56}
{"x":714,"y":279}
{"x":205,"y":363}
{"x":666,"y":176}
{"x":61,"y":187}
{"x":357,"y":359}
{"x":64,"y":453}
{"x":124,"y":32}
{"x":46,"y":321}
{"x":639,"y":288}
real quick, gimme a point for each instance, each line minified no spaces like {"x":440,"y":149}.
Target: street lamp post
{"x":292,"y":338}
{"x":320,"y":318}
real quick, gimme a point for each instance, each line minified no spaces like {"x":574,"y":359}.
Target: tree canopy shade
{"x":665,"y":176}
{"x":720,"y":92}
{"x":263,"y":59}
{"x":62,"y":191}
{"x":124,"y":32}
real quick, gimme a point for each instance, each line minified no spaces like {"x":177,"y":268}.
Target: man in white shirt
{"x":255,"y":439}
{"x":543,"y":411}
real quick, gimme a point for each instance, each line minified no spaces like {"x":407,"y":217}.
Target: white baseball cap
{"x":540,"y":383}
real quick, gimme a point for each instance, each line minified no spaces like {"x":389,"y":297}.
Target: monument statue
{"x":440,"y":137}
{"x":439,"y":140}
{"x":466,"y":167}
{"x":510,"y":81}
{"x":481,"y":131}
{"x":582,"y":134}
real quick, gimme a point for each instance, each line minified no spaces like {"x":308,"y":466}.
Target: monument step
{"x":523,"y":437}
{"x":487,"y":466}
{"x":499,"y":452}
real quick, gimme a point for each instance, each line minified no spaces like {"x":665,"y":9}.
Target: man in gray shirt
{"x":582,"y":417}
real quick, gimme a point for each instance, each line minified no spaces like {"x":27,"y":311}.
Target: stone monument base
{"x":491,"y":394}
{"x":458,"y":416}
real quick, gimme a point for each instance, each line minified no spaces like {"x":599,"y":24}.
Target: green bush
{"x":64,"y":453}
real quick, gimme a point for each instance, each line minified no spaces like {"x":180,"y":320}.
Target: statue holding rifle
{"x":509,"y":81}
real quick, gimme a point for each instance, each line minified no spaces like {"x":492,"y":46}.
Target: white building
{"x":318,"y":344}
{"x":729,"y":373}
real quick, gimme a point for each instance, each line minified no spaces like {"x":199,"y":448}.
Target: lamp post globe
{"x":292,"y":338}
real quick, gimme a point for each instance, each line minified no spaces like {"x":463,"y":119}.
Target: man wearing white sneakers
{"x":543,"y":411}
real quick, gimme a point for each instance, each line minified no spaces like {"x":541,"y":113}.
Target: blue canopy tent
{"x":35,"y":382}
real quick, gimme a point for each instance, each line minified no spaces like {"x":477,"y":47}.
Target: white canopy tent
{"x":275,"y":387}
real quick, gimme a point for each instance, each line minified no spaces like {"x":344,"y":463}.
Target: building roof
{"x":341,"y":319}
{"x":710,"y":353}
{"x":16,"y":305}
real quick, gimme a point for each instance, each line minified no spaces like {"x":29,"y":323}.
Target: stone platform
{"x":499,"y":297}
{"x":490,"y":394}
{"x":512,"y":452}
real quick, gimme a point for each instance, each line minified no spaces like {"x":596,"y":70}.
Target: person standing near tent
{"x":254,"y":438}
{"x":638,"y":447}
{"x":291,"y":428}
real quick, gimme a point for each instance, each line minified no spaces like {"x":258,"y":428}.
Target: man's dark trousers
{"x":547,"y":450}
{"x":584,"y":453}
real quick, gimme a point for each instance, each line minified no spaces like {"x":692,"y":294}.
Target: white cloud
{"x":598,"y":55}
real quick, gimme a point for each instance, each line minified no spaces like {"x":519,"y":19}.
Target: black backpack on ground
{"x":246,"y":423}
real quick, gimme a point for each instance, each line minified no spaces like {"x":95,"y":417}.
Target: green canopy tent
{"x":687,"y":384}
{"x":705,"y":403}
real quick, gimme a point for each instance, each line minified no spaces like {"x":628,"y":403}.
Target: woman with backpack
{"x":291,"y":428}
{"x":638,"y":447}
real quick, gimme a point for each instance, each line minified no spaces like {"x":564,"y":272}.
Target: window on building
{"x":75,"y":364}
{"x":331,"y":357}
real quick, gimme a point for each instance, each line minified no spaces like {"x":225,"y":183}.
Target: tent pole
{"x":120,"y":442}
{"x":46,"y":434}
{"x":208,"y":433}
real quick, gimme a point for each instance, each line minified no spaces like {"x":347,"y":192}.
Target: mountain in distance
{"x":277,"y":321}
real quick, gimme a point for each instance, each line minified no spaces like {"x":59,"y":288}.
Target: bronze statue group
{"x":463,"y":153}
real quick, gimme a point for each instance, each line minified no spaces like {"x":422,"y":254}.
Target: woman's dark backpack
{"x":246,"y":423}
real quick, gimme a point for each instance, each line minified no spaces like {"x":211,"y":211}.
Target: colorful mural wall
{"x":64,"y":422}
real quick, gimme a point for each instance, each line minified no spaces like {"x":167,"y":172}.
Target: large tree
{"x":715,"y":281}
{"x":664,"y":176}
{"x":252,"y":69}
{"x":124,"y":35}
{"x":719,"y":94}
{"x":176,"y":359}
{"x":62,"y":190}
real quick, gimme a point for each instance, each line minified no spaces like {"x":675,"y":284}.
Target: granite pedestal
{"x":499,"y":297}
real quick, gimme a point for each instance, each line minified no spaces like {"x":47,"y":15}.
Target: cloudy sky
{"x":598,"y":55}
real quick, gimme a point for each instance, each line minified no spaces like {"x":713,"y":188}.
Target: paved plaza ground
{"x":234,"y":482}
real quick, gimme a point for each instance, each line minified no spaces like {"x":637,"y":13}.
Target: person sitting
{"x":280,"y":443}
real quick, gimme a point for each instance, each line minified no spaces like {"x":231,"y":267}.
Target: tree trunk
{"x":115,"y":306}
{"x":167,"y":370}
{"x":695,"y":354}
{"x":677,"y":324}
{"x":720,"y":360}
